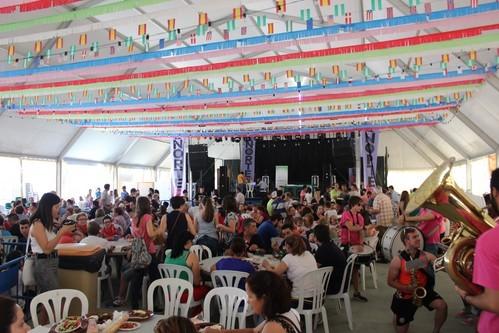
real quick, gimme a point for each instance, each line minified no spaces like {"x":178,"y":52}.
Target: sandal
{"x":359,"y":297}
{"x":119,"y":301}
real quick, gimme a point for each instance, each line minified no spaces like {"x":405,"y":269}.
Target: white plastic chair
{"x":173,"y":289}
{"x":226,"y":278}
{"x":372,"y":242}
{"x":232,"y":303}
{"x":311,"y":299}
{"x":199,"y":250}
{"x":249,"y":190}
{"x":52,"y":301}
{"x":174,"y":271}
{"x":103,"y":275}
{"x":344,"y":293}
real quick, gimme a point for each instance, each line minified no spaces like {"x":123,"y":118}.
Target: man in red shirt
{"x":486,"y":270}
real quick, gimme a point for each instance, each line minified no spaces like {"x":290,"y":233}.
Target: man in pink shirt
{"x":430,"y":223}
{"x":486,"y":270}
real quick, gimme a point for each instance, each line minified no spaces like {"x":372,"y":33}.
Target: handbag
{"x":141,"y":258}
{"x":28,"y":273}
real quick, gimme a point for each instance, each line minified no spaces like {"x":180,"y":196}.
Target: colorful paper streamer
{"x":427,"y":43}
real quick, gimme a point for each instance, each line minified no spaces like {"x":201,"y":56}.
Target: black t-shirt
{"x":91,"y":213}
{"x":255,"y":239}
{"x":328,"y":254}
{"x":15,"y":230}
{"x":175,"y":224}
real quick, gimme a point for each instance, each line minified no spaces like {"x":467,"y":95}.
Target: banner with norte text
{"x":248,"y":152}
{"x":178,"y":146}
{"x":369,"y":154}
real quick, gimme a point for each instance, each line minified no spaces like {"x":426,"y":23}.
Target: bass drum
{"x":392,"y":245}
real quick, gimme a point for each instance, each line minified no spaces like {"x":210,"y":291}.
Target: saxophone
{"x":419,"y":292}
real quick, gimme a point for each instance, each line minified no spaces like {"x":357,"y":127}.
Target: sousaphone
{"x":440,"y":193}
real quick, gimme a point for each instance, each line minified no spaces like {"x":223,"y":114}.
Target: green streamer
{"x":231,"y":25}
{"x":336,"y":101}
{"x":305,"y":14}
{"x":433,"y":48}
{"x":78,"y":14}
{"x":261,"y":21}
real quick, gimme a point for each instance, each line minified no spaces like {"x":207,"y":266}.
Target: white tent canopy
{"x":468,"y":132}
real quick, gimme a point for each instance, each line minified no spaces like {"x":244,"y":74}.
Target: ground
{"x":375,"y":316}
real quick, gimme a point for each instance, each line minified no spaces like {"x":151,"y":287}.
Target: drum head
{"x":392,"y":245}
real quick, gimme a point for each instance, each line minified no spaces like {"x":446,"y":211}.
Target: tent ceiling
{"x":452,"y":136}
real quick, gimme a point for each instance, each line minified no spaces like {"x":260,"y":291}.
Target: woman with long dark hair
{"x":177,"y":220}
{"x":181,"y":255}
{"x":269,"y":296}
{"x":229,"y":228}
{"x":206,"y":225}
{"x":143,"y":227}
{"x":404,"y":200}
{"x":43,"y":241}
{"x":12,"y":318}
{"x":175,"y":324}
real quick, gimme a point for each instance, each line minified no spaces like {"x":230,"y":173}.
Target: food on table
{"x":129,"y":326}
{"x":69,"y":324}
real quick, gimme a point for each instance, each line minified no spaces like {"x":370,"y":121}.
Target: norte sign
{"x":247,"y":164}
{"x":178,"y":167}
{"x":369,"y":153}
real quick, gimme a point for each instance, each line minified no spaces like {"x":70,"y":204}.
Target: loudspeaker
{"x":223,"y":181}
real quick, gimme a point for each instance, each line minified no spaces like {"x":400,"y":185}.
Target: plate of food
{"x":69,"y":324}
{"x":102,"y":317}
{"x":210,"y":325}
{"x":129,"y":326}
{"x":139,"y":315}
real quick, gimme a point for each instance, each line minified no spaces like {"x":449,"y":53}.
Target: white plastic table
{"x":145,"y":326}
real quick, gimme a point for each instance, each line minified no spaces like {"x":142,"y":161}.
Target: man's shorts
{"x":404,"y":309}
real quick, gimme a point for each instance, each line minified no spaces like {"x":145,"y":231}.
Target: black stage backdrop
{"x":306,"y":158}
{"x":202,"y":167}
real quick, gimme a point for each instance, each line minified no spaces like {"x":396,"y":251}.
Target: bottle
{"x":92,"y":326}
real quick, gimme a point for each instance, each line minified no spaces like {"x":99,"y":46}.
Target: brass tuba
{"x":440,"y":193}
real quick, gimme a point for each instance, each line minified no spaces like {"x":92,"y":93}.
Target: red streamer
{"x":318,"y":131}
{"x":292,"y":120}
{"x":412,"y":41}
{"x":264,"y":102}
{"x":35,"y":5}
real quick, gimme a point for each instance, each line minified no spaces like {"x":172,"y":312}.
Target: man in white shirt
{"x":93,"y":238}
{"x":263,"y":186}
{"x":105,"y":199}
{"x":239,"y":197}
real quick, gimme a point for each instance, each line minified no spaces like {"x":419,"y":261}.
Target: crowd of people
{"x":314,"y":229}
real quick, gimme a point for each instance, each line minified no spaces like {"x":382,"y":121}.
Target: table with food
{"x":139,"y":321}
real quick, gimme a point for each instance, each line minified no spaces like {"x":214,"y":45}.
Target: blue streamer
{"x":346,"y":113}
{"x":222,"y":45}
{"x":250,"y":93}
{"x":292,"y":131}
